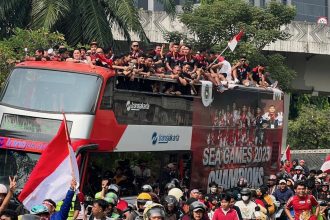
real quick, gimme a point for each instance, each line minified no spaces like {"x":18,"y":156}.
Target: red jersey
{"x":231,"y":214}
{"x":300,"y":205}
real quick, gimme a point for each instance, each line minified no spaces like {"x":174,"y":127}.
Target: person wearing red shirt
{"x":225,"y":212}
{"x":302,"y":204}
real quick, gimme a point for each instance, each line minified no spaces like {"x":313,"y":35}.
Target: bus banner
{"x":237,"y":138}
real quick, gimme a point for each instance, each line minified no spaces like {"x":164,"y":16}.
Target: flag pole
{"x":219,"y":55}
{"x":68,"y":141}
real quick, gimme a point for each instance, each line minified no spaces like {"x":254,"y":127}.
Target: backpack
{"x":269,"y":204}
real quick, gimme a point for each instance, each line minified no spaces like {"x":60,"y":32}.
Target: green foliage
{"x":13,"y":49}
{"x":311,"y":129}
{"x":298,"y":101}
{"x":80,"y":21}
{"x":215,"y":22}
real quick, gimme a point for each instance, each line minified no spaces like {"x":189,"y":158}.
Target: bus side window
{"x":107,"y":99}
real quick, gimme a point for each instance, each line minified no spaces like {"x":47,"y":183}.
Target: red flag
{"x":233,"y":43}
{"x":52,"y":175}
{"x":286,"y":154}
{"x":326,"y":165}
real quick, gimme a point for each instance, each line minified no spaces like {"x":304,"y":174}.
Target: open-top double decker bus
{"x":134,"y":136}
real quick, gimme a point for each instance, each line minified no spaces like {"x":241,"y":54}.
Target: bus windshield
{"x":16,"y":163}
{"x":52,"y":91}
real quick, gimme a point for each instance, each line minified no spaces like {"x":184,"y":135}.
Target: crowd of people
{"x":178,"y":63}
{"x":294,"y":193}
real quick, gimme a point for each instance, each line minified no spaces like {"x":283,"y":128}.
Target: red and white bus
{"x":134,"y":136}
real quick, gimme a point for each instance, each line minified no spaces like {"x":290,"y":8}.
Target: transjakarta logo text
{"x":164,"y":139}
{"x":133,"y":106}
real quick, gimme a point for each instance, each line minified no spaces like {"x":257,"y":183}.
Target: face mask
{"x":245,"y":198}
{"x":213,"y":189}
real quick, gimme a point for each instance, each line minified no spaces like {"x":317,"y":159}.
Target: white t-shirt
{"x":225,"y":68}
{"x":247,"y":210}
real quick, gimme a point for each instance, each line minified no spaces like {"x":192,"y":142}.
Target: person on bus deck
{"x":225,"y":211}
{"x":188,"y":58}
{"x":6,"y":195}
{"x":220,"y":73}
{"x":173,"y":88}
{"x":158,"y":54}
{"x":38,"y":56}
{"x":241,"y":71}
{"x":147,"y":71}
{"x":185,"y":80}
{"x":172,"y":58}
{"x":93,"y":46}
{"x":302,"y":204}
{"x":135,"y":50}
{"x":101,"y":60}
{"x":76,"y":57}
{"x":8,"y":215}
{"x":257,"y":77}
{"x":83,"y":52}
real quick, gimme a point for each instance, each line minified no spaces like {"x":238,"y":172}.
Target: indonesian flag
{"x":286,"y":154}
{"x":52,"y":175}
{"x":233,"y":43}
{"x":326,"y":165}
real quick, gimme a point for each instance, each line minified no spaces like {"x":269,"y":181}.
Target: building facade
{"x":307,"y":10}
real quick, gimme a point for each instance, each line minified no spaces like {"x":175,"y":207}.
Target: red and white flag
{"x":326,"y":165}
{"x":287,"y":154}
{"x":233,"y":43}
{"x":52,"y":175}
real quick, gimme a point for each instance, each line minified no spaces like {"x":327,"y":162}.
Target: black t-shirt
{"x":173,"y":59}
{"x":155,"y":57}
{"x":190,"y":60}
{"x":242,"y":72}
{"x":185,"y":90}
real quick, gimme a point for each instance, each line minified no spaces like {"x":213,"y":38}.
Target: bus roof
{"x":67,"y":66}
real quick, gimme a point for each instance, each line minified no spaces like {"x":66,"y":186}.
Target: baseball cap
{"x":282,"y":181}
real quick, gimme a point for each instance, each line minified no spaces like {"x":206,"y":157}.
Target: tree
{"x":81,"y":21}
{"x":311,"y":129}
{"x":215,"y":22}
{"x":13,"y":49}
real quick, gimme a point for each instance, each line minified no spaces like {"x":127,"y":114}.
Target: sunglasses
{"x":135,"y":45}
